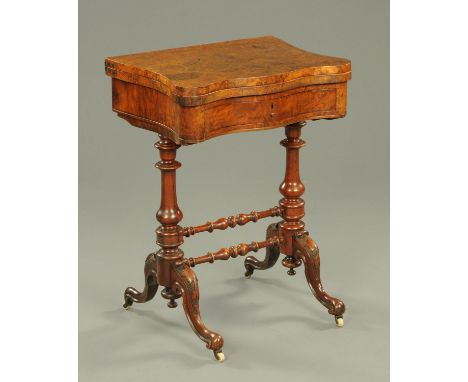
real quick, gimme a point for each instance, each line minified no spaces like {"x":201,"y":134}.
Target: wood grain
{"x":189,"y":95}
{"x":200,"y":74}
{"x":189,"y":125}
{"x":200,"y":92}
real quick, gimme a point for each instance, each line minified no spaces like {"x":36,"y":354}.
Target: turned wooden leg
{"x":132,"y":295}
{"x":186,"y":281}
{"x":167,"y":267}
{"x":296,"y":244}
{"x":272,"y":254}
{"x":307,"y":250}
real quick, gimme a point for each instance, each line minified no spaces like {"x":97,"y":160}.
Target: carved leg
{"x":132,"y":295}
{"x":186,"y":281}
{"x":272,"y":254}
{"x":307,"y":250}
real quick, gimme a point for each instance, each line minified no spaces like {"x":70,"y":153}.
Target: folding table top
{"x":205,"y":74}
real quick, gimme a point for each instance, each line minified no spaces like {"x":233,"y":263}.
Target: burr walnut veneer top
{"x":200,"y":74}
{"x":199,"y":92}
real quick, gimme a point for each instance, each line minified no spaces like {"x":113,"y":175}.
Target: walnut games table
{"x":188,"y":95}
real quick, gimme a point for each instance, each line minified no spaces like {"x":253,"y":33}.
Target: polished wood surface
{"x":216,"y":89}
{"x":271,"y":256}
{"x":232,"y":221}
{"x":210,"y":90}
{"x":295,"y":242}
{"x":199,"y":74}
{"x":308,"y":252}
{"x":234,"y":251}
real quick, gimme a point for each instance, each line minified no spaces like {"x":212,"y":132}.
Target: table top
{"x":201,"y":74}
{"x":199,"y":92}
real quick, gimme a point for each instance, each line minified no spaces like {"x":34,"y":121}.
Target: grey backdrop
{"x":273,"y":327}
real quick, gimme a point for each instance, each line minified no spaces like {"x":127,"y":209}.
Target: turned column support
{"x":169,"y":235}
{"x":292,"y":188}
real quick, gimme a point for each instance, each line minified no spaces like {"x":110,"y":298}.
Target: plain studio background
{"x":272,"y":325}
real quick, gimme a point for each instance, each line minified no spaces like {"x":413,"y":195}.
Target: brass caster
{"x":248,"y":275}
{"x":339,"y":321}
{"x":127,"y":304}
{"x":291,"y":272}
{"x":219,"y":355}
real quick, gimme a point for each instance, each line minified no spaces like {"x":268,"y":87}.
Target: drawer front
{"x":152,"y":110}
{"x":268,"y":111}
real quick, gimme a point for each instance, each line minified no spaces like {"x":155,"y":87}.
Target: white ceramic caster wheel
{"x":339,"y":321}
{"x":219,"y":355}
